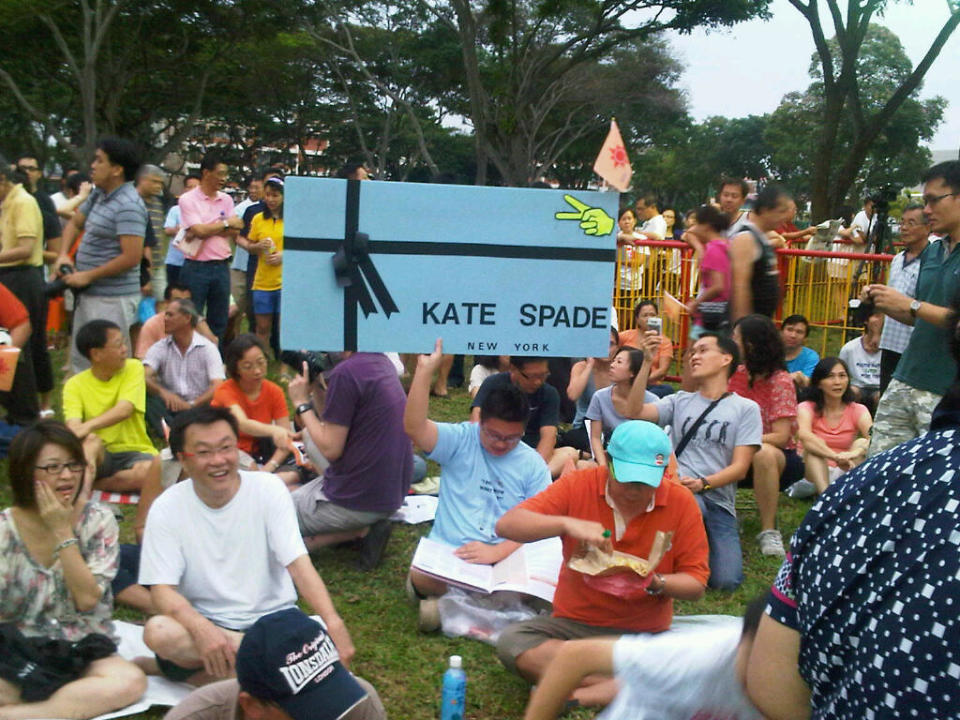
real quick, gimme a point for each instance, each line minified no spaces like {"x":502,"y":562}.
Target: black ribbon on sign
{"x":354,"y":268}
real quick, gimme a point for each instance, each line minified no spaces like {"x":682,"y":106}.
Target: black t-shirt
{"x":544,"y":405}
{"x":48,"y":211}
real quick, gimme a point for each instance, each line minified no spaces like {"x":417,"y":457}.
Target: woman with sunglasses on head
{"x":58,"y":554}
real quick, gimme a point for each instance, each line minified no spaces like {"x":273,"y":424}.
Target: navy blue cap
{"x":288,"y":658}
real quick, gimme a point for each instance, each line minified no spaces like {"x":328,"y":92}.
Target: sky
{"x":748,"y":69}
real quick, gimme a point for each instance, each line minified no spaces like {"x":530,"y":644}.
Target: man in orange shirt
{"x":620,"y":507}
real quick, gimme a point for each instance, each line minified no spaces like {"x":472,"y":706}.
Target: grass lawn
{"x":406,"y":667}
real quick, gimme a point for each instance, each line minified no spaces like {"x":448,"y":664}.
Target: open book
{"x":532,"y":569}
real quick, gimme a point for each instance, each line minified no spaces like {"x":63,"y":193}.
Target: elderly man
{"x":904,"y":270}
{"x":150,"y":180}
{"x":183,"y":369}
{"x":113,"y":220}
{"x":221,"y":550}
{"x":619,"y":507}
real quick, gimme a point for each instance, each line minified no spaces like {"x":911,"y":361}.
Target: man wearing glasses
{"x":925,"y":369}
{"x":221,"y":549}
{"x":104,"y":406}
{"x":486,"y":471}
{"x":530,"y":374}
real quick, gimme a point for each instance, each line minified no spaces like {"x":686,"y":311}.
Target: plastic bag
{"x":479,"y":616}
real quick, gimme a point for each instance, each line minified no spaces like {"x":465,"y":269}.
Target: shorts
{"x":516,"y":639}
{"x":793,"y":470}
{"x":115,"y":462}
{"x":266,"y":302}
{"x":317,"y":515}
{"x":129,"y":569}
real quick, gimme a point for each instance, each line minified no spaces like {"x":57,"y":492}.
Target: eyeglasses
{"x":29,"y":168}
{"x":538,"y":377}
{"x":932,"y":200}
{"x":57,"y":468}
{"x":497,"y":437}
{"x":211,"y":454}
{"x":253,"y":365}
{"x":913,"y":223}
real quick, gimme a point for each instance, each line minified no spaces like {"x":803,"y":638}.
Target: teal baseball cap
{"x":640,"y":452}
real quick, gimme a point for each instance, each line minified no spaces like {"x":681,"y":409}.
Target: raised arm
{"x":636,"y":408}
{"x":421,"y":430}
{"x":330,"y":438}
{"x":579,"y":376}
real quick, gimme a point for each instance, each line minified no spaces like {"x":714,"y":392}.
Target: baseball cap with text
{"x":289,"y":659}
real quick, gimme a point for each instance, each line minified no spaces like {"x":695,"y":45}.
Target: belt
{"x":207,"y":262}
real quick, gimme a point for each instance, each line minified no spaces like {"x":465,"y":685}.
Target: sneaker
{"x":429,"y":616}
{"x":771,"y":543}
{"x":802,"y":489}
{"x":373,"y":544}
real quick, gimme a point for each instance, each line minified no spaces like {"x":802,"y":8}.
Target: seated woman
{"x":59,"y":555}
{"x":608,"y":404}
{"x":834,"y":430}
{"x":586,"y":377}
{"x":260,"y":407}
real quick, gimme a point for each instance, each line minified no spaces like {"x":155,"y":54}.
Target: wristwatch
{"x":915,"y":307}
{"x":661,"y":584}
{"x":706,"y":485}
{"x":226,"y":223}
{"x":303,"y":407}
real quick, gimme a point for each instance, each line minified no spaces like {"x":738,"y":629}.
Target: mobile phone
{"x":655,"y":324}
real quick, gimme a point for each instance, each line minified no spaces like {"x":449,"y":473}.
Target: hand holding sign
{"x":593,"y":221}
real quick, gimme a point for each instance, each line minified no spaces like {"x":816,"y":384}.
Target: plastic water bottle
{"x":454,"y":690}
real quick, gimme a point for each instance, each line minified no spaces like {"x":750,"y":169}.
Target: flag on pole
{"x":612,"y":164}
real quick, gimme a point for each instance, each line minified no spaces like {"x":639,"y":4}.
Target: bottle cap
{"x":456,"y":662}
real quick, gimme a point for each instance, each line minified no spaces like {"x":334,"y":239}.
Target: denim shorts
{"x":266,"y":302}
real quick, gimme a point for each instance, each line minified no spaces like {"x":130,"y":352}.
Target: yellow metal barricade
{"x":818,"y":285}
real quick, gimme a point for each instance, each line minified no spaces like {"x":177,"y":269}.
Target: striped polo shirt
{"x":108,"y":216}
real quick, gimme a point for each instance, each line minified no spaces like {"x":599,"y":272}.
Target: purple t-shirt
{"x":374,"y":472}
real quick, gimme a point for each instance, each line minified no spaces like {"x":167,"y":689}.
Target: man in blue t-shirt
{"x":486,"y":471}
{"x":801,"y":360}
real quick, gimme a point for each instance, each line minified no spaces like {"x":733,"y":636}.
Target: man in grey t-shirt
{"x":719,"y":451}
{"x":114,"y":219}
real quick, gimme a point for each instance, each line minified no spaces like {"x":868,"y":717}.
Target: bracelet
{"x":304,"y":407}
{"x":65,"y":544}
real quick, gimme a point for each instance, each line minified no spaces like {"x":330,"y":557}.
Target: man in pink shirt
{"x":207,"y":215}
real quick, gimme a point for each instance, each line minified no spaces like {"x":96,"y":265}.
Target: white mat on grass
{"x":160,"y":691}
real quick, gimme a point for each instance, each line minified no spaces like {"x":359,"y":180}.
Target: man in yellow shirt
{"x":105,"y":406}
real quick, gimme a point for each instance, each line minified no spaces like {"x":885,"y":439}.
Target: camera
{"x":655,"y":323}
{"x":882,"y":197}
{"x":56,"y":288}
{"x":317,"y":362}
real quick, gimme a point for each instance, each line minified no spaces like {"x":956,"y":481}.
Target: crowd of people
{"x":605,"y":453}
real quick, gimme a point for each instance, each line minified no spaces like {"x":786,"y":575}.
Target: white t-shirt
{"x":657,"y":224}
{"x":862,"y":223}
{"x":478,"y":374}
{"x":679,"y":675}
{"x":864,"y":367}
{"x":231,"y":562}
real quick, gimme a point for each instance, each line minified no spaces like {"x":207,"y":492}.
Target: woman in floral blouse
{"x":58,"y":554}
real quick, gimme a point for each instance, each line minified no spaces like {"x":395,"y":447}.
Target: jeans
{"x":723,"y":534}
{"x":209,"y":284}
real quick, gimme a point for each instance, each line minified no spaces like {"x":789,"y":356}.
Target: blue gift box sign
{"x":383,"y":266}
